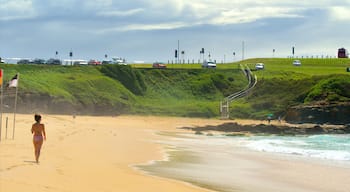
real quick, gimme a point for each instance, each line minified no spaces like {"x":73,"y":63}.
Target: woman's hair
{"x":37,"y":117}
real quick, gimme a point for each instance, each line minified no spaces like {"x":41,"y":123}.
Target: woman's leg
{"x":37,"y":146}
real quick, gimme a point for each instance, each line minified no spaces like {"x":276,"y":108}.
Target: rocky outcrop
{"x":274,"y":129}
{"x":338,"y":114}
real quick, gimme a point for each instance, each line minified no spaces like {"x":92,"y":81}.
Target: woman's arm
{"x":44,"y":133}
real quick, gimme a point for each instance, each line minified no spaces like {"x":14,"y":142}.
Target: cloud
{"x":145,"y":27}
{"x":234,"y":16}
{"x":121,"y":13}
{"x":16,"y":9}
{"x":96,"y":26}
{"x":340,"y":13}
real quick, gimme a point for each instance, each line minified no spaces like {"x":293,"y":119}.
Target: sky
{"x":150,"y":30}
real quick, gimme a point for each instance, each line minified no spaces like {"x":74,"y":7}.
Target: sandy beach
{"x":99,"y":153}
{"x":85,"y":154}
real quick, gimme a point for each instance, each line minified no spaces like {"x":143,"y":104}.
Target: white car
{"x":259,"y":66}
{"x":209,"y":64}
{"x":296,"y":63}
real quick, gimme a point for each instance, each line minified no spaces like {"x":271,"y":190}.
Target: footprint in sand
{"x":19,"y":165}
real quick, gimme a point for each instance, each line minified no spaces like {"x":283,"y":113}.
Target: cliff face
{"x":320,"y":114}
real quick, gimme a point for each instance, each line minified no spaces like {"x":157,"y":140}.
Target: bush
{"x":331,"y":89}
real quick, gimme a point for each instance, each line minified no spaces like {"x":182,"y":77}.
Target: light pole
{"x":178,"y":49}
{"x":176,"y":55}
{"x":71,"y":55}
{"x":183,"y":56}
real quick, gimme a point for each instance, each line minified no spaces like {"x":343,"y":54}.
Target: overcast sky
{"x":149,"y":30}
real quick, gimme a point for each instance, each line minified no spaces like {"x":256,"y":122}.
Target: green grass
{"x":284,"y":67}
{"x":185,"y":89}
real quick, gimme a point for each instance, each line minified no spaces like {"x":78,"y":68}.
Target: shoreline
{"x":268,"y":171}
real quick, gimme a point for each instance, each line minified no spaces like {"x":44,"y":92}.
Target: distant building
{"x":342,"y":53}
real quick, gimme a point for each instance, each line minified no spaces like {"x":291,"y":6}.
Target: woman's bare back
{"x":38,"y":129}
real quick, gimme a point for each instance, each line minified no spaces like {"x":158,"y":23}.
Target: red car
{"x":159,"y":65}
{"x":94,"y":62}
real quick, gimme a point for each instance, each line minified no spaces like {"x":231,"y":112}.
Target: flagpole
{"x":15,"y":109}
{"x":1,"y":102}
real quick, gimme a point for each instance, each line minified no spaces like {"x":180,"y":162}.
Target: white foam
{"x":299,"y":147}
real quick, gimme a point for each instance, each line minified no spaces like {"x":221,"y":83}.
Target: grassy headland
{"x":179,"y":90}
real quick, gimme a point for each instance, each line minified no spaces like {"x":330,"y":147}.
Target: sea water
{"x":326,"y":147}
{"x":321,"y":147}
{"x":209,"y":161}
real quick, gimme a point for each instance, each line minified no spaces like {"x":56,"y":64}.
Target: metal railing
{"x":225,"y":104}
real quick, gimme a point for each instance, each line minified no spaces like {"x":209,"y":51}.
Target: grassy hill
{"x":114,"y":89}
{"x":179,"y":90}
{"x":282,"y":85}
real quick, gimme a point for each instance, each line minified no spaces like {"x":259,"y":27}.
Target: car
{"x":105,"y":62}
{"x":159,"y":65}
{"x":24,"y":61}
{"x":94,"y":62}
{"x":259,"y":66}
{"x":118,"y":60}
{"x":38,"y":61}
{"x":80,"y":62}
{"x":296,"y":63}
{"x":54,"y":62}
{"x":209,"y":64}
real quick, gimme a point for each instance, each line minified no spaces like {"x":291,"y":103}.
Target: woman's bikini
{"x":38,"y":135}
{"x":38,"y":138}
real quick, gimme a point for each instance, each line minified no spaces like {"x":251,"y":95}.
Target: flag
{"x":1,"y":77}
{"x":14,"y":81}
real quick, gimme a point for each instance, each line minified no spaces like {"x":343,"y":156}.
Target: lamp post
{"x":71,"y":55}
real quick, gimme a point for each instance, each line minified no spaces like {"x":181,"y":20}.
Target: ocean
{"x":323,"y":147}
{"x":211,"y":161}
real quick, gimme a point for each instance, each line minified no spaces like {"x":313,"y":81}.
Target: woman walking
{"x":39,"y":135}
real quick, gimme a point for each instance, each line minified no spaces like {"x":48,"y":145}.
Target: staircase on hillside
{"x":225,"y":103}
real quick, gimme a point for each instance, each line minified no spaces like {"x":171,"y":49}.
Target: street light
{"x":71,"y":55}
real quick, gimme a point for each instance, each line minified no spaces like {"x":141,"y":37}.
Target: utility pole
{"x":178,"y":49}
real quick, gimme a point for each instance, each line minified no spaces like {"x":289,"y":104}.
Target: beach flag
{"x":14,"y":81}
{"x":1,"y":74}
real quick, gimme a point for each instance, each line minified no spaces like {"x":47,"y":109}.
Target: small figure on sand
{"x":39,"y":135}
{"x":269,"y":118}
